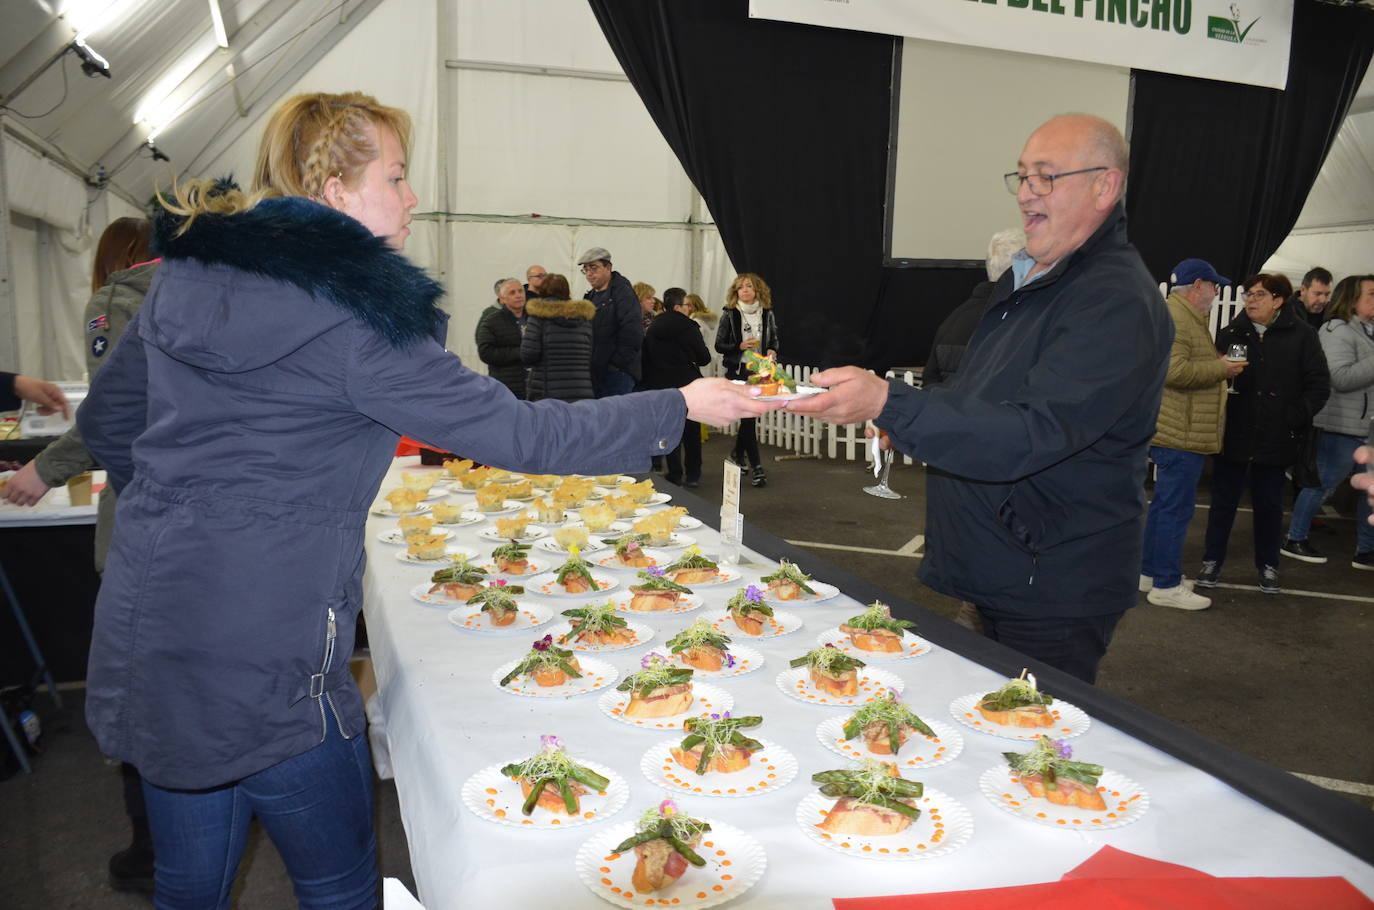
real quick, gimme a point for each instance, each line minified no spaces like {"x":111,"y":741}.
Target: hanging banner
{"x":1243,"y":41}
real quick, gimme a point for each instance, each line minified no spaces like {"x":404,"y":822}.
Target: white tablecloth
{"x":52,"y":510}
{"x":446,"y":720}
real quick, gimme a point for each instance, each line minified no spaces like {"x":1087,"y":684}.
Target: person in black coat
{"x":618,"y":329}
{"x":557,"y":346}
{"x":954,"y":333}
{"x":1283,"y":386}
{"x":674,"y":353}
{"x":498,"y":336}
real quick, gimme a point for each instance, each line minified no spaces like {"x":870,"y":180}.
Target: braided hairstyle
{"x":308,"y":139}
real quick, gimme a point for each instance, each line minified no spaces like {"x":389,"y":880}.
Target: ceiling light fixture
{"x":92,"y":64}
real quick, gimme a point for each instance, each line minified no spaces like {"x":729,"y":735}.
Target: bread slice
{"x":665,"y":701}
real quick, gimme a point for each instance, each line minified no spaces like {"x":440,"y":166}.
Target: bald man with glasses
{"x":1037,"y":448}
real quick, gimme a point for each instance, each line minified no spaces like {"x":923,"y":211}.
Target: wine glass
{"x":881,"y":489}
{"x":1236,"y":353}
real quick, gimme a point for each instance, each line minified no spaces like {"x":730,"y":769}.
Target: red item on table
{"x":1113,"y":879}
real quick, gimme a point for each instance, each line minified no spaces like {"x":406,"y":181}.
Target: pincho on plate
{"x":1045,"y":785}
{"x":555,"y":790}
{"x":792,"y":585}
{"x":694,"y":568}
{"x":513,"y":558}
{"x":574,"y":578}
{"x":661,"y":694}
{"x":710,"y":652}
{"x":828,"y":676}
{"x":629,"y":552}
{"x":498,"y":602}
{"x":716,"y":758}
{"x":874,"y":635}
{"x":689,"y":865}
{"x":887,"y":729}
{"x":1019,"y":710}
{"x":871,"y":811}
{"x":595,"y":627}
{"x":550,"y":671}
{"x":459,"y":581}
{"x":655,"y":592}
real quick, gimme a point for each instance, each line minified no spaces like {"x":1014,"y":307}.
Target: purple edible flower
{"x":729,"y":660}
{"x":727,"y":715}
{"x":715,"y":717}
{"x":1062,"y":748}
{"x":500,"y":582}
{"x":550,"y":742}
{"x":894,"y":694}
{"x":655,"y":571}
{"x":544,"y":643}
{"x":648,"y":660}
{"x":753,"y":594}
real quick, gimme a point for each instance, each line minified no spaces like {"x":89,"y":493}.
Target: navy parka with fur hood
{"x":1037,"y":447}
{"x":247,"y":417}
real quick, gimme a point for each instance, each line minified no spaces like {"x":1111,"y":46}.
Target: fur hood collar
{"x":561,"y":309}
{"x":322,"y":252}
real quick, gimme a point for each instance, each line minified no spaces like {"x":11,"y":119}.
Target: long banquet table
{"x":446,"y":720}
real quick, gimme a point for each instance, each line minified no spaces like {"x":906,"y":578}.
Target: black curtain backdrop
{"x":783,"y":129}
{"x":1220,"y":170}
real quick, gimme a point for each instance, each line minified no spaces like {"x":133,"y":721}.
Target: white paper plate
{"x":919,"y":751}
{"x":781,"y":623}
{"x":823,"y":592}
{"x":643,"y":635}
{"x":548,"y":543}
{"x":508,"y":507}
{"x":451,"y":555}
{"x":491,"y":795}
{"x":708,"y":700}
{"x":465,"y":518}
{"x":394,"y":535}
{"x":945,"y":825}
{"x":688,"y":523}
{"x":1070,"y":721}
{"x":685,"y":604}
{"x":547,"y":585}
{"x":567,"y":517}
{"x":657,"y":499}
{"x":614,"y":529}
{"x":675,"y":542}
{"x":455,"y":486}
{"x":421,"y":593}
{"x":1126,"y":801}
{"x":533,"y":532}
{"x":658,"y":556}
{"x":771,"y":768}
{"x":747,"y":660}
{"x":596,"y":674}
{"x":735,"y":861}
{"x":795,"y":682}
{"x":803,"y":391}
{"x":384,"y":508}
{"x":912,"y":646}
{"x":724,"y":575}
{"x":538,"y":566}
{"x":472,"y":619}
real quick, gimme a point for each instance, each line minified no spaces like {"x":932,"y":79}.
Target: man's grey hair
{"x":501,"y":282}
{"x":1003,"y":245}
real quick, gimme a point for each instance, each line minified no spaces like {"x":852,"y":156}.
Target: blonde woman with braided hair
{"x":246,"y":418}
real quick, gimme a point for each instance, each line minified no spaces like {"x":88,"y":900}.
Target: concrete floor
{"x":1283,"y":678}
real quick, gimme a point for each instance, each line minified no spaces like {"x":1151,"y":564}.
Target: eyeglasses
{"x":534,"y":275}
{"x":1258,"y":294}
{"x":591,"y":267}
{"x":1042,"y":184}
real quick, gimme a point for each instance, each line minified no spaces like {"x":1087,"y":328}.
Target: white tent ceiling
{"x":520,"y":108}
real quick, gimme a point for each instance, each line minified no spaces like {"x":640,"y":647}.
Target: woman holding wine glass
{"x":1283,"y":385}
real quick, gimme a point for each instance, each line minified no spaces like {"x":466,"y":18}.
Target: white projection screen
{"x":960,"y":116}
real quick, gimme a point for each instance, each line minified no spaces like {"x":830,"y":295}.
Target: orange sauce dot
{"x":1059,"y":821}
{"x":605,"y":869}
{"x":491,"y":790}
{"x":605,"y":881}
{"x":500,"y":813}
{"x":720,"y":853}
{"x":903,"y":850}
{"x":883,"y":850}
{"x":717,"y":887}
{"x":725,"y":862}
{"x":726,"y":878}
{"x":589,"y":815}
{"x":701,"y":894}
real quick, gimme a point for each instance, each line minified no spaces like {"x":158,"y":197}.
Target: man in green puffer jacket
{"x":1191,"y":417}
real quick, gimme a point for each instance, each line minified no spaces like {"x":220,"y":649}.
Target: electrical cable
{"x":62,"y":65}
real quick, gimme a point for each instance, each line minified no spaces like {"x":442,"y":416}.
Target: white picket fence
{"x":806,"y":437}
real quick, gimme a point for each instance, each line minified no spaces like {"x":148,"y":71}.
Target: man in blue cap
{"x":1192,"y":415}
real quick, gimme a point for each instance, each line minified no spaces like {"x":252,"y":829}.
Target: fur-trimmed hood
{"x":333,"y":268}
{"x":561,"y":309}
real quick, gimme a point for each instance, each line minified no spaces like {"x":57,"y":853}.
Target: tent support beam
{"x":445,"y":16}
{"x":9,"y":322}
{"x":531,"y":70}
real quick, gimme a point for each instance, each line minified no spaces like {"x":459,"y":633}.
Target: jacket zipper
{"x":331,"y":632}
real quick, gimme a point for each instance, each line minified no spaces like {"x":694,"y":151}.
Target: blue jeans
{"x":613,"y":383}
{"x":1335,"y":461}
{"x":316,"y":808}
{"x":1176,"y":477}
